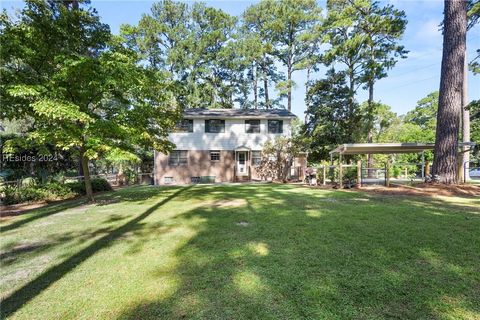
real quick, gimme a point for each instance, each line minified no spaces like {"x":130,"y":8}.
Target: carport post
{"x":359,"y":173}
{"x":387,"y":173}
{"x":423,"y":165}
{"x":340,"y":173}
{"x":324,"y":175}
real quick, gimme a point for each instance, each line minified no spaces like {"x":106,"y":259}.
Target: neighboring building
{"x":222,"y":145}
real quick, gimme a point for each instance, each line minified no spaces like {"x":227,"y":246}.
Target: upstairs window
{"x":184,"y":125}
{"x":214,"y":155}
{"x":275,"y":126}
{"x":214,"y":126}
{"x":256,"y":157}
{"x":252,"y":126}
{"x":178,"y":157}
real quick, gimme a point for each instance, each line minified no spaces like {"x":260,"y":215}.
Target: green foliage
{"x":85,"y":90}
{"x":256,"y":46}
{"x":50,"y":191}
{"x":98,"y":185}
{"x":296,"y":32}
{"x":130,"y":176}
{"x":38,"y":160}
{"x":331,"y":119}
{"x":363,"y":37}
{"x":474,"y":64}
{"x":192,"y":43}
{"x":60,"y":190}
{"x":278,"y":156}
{"x":425,"y":112}
{"x":474,"y":108}
{"x":12,"y":195}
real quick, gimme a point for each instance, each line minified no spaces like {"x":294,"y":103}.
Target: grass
{"x":243,"y":252}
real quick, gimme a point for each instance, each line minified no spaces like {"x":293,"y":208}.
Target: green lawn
{"x":244,"y":252}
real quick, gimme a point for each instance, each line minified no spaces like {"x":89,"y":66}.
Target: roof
{"x":238,"y":113}
{"x":387,"y":148}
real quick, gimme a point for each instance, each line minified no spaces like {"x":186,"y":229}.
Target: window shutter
{"x":207,"y":125}
{"x":280,"y":124}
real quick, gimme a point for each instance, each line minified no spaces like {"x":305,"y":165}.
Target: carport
{"x":386,"y":148}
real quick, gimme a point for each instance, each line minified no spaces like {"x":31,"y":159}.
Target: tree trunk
{"x":86,"y":176}
{"x":286,"y":168}
{"x":265,"y":81}
{"x":289,"y":79}
{"x":255,"y":89}
{"x":308,"y":81}
{"x":465,"y":124}
{"x":450,"y":98}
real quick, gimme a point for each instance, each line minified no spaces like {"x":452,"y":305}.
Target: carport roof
{"x":387,"y":148}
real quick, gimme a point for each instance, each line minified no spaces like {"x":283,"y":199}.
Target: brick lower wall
{"x":199,"y":164}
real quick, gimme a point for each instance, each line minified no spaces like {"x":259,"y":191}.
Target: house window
{"x":215,"y":126}
{"x":215,"y":155}
{"x":167,"y":180}
{"x":178,"y":157}
{"x":252,"y":126}
{"x":184,"y":125}
{"x":275,"y":126}
{"x":256,"y":157}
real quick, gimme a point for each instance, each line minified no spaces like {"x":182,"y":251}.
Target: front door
{"x":242,"y":163}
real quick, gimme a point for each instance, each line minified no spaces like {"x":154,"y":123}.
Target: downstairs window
{"x":178,"y":157}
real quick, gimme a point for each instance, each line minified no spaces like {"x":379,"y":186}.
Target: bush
{"x":14,"y":195}
{"x":51,"y":191}
{"x":58,"y":190}
{"x":98,"y":185}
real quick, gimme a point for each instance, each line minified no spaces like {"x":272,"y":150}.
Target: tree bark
{"x":450,"y":98}
{"x":465,"y":123}
{"x":265,"y":81}
{"x":289,"y":79}
{"x":255,"y":89}
{"x":86,"y":176}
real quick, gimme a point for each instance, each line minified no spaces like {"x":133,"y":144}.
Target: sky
{"x":409,"y":81}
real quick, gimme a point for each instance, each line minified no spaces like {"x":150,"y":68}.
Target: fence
{"x":359,"y":174}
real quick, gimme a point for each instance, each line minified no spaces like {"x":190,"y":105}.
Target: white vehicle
{"x":475,"y":172}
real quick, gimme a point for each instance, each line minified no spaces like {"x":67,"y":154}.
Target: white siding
{"x":234,"y":136}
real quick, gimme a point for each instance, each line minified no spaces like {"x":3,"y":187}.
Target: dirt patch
{"x":424,"y":189}
{"x":17,"y":209}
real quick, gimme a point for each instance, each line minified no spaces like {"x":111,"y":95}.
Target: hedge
{"x":51,"y":191}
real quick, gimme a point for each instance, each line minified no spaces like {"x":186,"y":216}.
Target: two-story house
{"x":222,"y":145}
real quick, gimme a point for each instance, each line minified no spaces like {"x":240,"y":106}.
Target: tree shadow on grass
{"x":44,"y":212}
{"x":29,"y":291}
{"x":134,"y":194}
{"x":329,"y":256}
